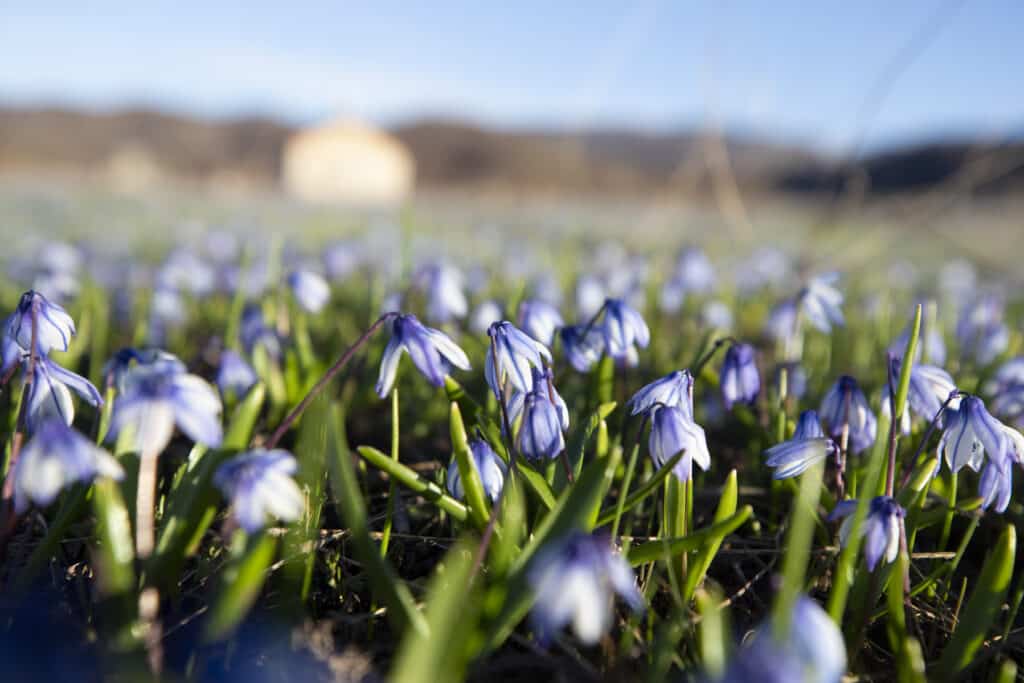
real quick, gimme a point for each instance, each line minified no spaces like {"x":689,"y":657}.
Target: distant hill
{"x":459,"y":155}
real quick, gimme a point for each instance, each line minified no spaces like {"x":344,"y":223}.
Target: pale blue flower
{"x":971,"y":433}
{"x":517,"y":353}
{"x":310,"y":289}
{"x":444,"y":287}
{"x":808,"y":446}
{"x":590,"y":297}
{"x":54,"y":327}
{"x":881,"y":529}
{"x":981,"y":330}
{"x":821,"y":302}
{"x":844,"y":404}
{"x":540,"y":320}
{"x":260,"y":486}
{"x":928,"y":390}
{"x":55,"y":457}
{"x":574,"y":579}
{"x":673,"y":430}
{"x":490,"y":468}
{"x":543,"y":382}
{"x":255,"y":332}
{"x":49,"y":395}
{"x":432,"y":352}
{"x":717,"y":314}
{"x":234,"y":376}
{"x":673,"y":390}
{"x":624,"y":329}
{"x":540,"y":432}
{"x":740,"y":380}
{"x":582,"y":347}
{"x":485,"y":313}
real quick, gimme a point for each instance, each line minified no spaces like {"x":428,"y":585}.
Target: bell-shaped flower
{"x":928,"y":390}
{"x":582,"y":347}
{"x":971,"y":433}
{"x":543,"y":382}
{"x":540,"y":432}
{"x":117,"y":369}
{"x":694,"y":272}
{"x":54,"y":327}
{"x":672,"y":390}
{"x":483,"y":315}
{"x":49,"y":395}
{"x":844,"y":405}
{"x":717,"y":315}
{"x":517,"y":352}
{"x":624,"y":328}
{"x":981,"y":330}
{"x":310,"y":289}
{"x":254,"y":332}
{"x":995,"y":485}
{"x":808,"y":446}
{"x":540,"y":320}
{"x":881,"y":528}
{"x":673,"y":430}
{"x":574,"y":579}
{"x":55,"y":457}
{"x":432,"y":352}
{"x":234,"y":376}
{"x":444,"y":286}
{"x":590,"y":296}
{"x":490,"y":468}
{"x":260,"y":486}
{"x":740,"y":380}
{"x":155,"y":398}
{"x":821,"y":303}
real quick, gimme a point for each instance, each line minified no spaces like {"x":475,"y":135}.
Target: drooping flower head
{"x":582,"y":346}
{"x":881,"y":529}
{"x":54,"y":327}
{"x":673,"y":430}
{"x":624,"y":329}
{"x":543,"y":383}
{"x":971,"y":433}
{"x":981,"y":330}
{"x":489,"y":467}
{"x":155,"y":398}
{"x":259,"y":485}
{"x":674,"y":390}
{"x":49,"y":395}
{"x":432,"y":352}
{"x":574,"y":579}
{"x":540,"y":432}
{"x":234,"y":376}
{"x":808,"y":446}
{"x":517,"y":352}
{"x":928,"y":390}
{"x":540,"y":320}
{"x":443,"y":284}
{"x":55,"y":457}
{"x":845,"y":404}
{"x":740,"y":379}
{"x":821,"y":303}
{"x":310,"y":289}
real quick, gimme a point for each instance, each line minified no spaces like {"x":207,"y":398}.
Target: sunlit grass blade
{"x":702,"y":560}
{"x":652,"y":551}
{"x":411,"y":480}
{"x":472,"y":487}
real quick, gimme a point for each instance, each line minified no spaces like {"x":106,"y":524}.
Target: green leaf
{"x":451,"y":615}
{"x":726,"y":509}
{"x":115,"y":548}
{"x":714,"y":632}
{"x":649,"y":487}
{"x":652,"y":551}
{"x":471,"y":486}
{"x":802,"y":519}
{"x":536,"y":483}
{"x":578,"y":443}
{"x":982,"y":608}
{"x":910,"y":662}
{"x":410,"y":479}
{"x":240,"y":583}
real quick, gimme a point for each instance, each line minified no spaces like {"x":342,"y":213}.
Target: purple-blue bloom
{"x":740,"y":380}
{"x":489,"y":467}
{"x":256,"y":333}
{"x":517,"y":352}
{"x":49,"y":396}
{"x":845,"y":404}
{"x":446,"y":300}
{"x":796,"y":379}
{"x":582,"y":348}
{"x":928,"y":390}
{"x":820,"y":302}
{"x":981,"y":330}
{"x":882,"y":528}
{"x":540,"y":320}
{"x":672,"y":390}
{"x":55,"y":457}
{"x":234,"y":376}
{"x":673,"y":430}
{"x":543,"y":382}
{"x":807,"y":446}
{"x":310,"y":289}
{"x":54,"y":327}
{"x":485,"y":313}
{"x":573,"y":578}
{"x":970,"y":434}
{"x":432,"y":352}
{"x":540,"y":432}
{"x":623,"y":328}
{"x":259,"y":485}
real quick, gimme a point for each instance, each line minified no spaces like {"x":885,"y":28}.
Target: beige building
{"x":347,"y":162}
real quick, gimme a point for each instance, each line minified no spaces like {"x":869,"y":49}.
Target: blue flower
{"x":590,"y":296}
{"x":796,"y":379}
{"x":310,"y":289}
{"x":740,"y":380}
{"x":716,"y":314}
{"x":540,"y":320}
{"x":928,"y":390}
{"x":117,"y":368}
{"x":446,"y":300}
{"x":259,"y":485}
{"x":673,"y":430}
{"x":573,"y":578}
{"x":673,"y":390}
{"x":489,"y":467}
{"x":996,"y":484}
{"x":971,"y":433}
{"x":821,"y":302}
{"x":49,"y":396}
{"x":543,"y":383}
{"x":694,"y":272}
{"x":517,"y":352}
{"x":807,"y":446}
{"x":814,"y":651}
{"x":432,"y":352}
{"x":483,"y":315}
{"x":10,"y":354}
{"x":55,"y":457}
{"x":881,"y":529}
{"x":981,"y":330}
{"x":540,"y":433}
{"x":155,"y":397}
{"x":254,"y":332}
{"x":623,"y":328}
{"x":582,"y":348}
{"x":235,"y":376}
{"x":782,"y":323}
{"x":845,"y":404}
{"x":54,"y":327}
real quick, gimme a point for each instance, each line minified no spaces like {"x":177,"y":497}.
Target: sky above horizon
{"x":849,"y":75}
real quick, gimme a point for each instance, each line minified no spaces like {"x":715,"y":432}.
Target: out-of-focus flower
{"x":673,"y":430}
{"x":971,"y":433}
{"x":717,"y":314}
{"x":930,"y":342}
{"x":259,"y":485}
{"x":693,"y":272}
{"x":54,"y":327}
{"x":254,"y":332}
{"x":740,"y":380}
{"x":582,"y":347}
{"x":55,"y":457}
{"x":574,"y":579}
{"x":881,"y":528}
{"x":490,"y":468}
{"x":796,"y":378}
{"x":782,"y":324}
{"x":517,"y":352}
{"x":808,"y":445}
{"x":845,"y":404}
{"x":483,"y":315}
{"x":310,"y":289}
{"x":432,"y":352}
{"x":49,"y":396}
{"x":540,"y":320}
{"x":766,"y":267}
{"x":821,"y":302}
{"x":116,"y":369}
{"x":590,"y":296}
{"x":673,"y":390}
{"x":156,"y":397}
{"x":341,"y":260}
{"x":623,"y":327}
{"x":234,"y":376}
{"x":446,"y":300}
{"x":982,"y":333}
{"x":928,"y":390}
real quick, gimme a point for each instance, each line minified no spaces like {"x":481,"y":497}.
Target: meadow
{"x":252,"y":441}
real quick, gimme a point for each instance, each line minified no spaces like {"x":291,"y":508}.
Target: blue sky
{"x":802,"y":70}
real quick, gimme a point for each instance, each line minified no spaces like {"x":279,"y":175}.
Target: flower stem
{"x":145,"y":502}
{"x":392,"y":488}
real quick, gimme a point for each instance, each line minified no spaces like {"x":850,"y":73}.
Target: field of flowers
{"x":372,"y":449}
